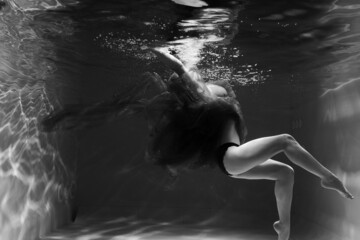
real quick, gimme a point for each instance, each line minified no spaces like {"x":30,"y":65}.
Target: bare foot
{"x":282,"y":230}
{"x":332,"y":182}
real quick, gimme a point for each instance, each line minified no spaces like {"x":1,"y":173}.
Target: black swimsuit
{"x":220,"y":153}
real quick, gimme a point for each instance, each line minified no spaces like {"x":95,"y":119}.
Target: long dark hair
{"x":189,"y":124}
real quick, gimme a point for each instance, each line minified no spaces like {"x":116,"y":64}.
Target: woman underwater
{"x":203,"y":122}
{"x":194,"y":124}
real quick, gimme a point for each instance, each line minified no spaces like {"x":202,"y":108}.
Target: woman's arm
{"x":177,"y":66}
{"x":169,"y":60}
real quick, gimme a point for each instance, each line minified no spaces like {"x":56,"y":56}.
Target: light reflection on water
{"x":339,"y":108}
{"x":131,"y":228}
{"x":34,"y":5}
{"x":34,"y":182}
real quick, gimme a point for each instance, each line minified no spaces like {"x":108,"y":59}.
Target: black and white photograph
{"x":179,"y":120}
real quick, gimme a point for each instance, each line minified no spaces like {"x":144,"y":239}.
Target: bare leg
{"x":238,"y":160}
{"x":304,"y":159}
{"x":284,"y":180}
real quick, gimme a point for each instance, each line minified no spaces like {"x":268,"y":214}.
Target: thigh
{"x":269,"y":170}
{"x":240,"y":159}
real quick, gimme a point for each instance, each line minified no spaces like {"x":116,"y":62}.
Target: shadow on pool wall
{"x":113,"y":178}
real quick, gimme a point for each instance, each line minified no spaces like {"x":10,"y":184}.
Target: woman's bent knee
{"x":287,"y":140}
{"x":287,"y":173}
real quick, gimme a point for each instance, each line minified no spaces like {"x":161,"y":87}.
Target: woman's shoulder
{"x":224,"y":84}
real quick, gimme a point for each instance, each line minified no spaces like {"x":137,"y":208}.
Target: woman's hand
{"x":169,"y":60}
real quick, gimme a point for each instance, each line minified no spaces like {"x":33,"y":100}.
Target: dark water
{"x":293,"y":64}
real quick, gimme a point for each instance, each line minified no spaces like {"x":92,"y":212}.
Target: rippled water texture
{"x":293,"y":64}
{"x":34,"y":183}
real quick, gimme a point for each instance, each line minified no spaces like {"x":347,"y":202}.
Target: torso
{"x":229,"y":133}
